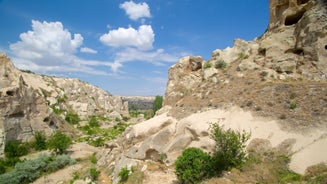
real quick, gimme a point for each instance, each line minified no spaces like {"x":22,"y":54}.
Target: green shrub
{"x":207,"y":65}
{"x":221,"y":64}
{"x":242,"y":55}
{"x":59,"y":162}
{"x":230,"y":147}
{"x":94,"y":173}
{"x":287,"y":176}
{"x":2,"y":166}
{"x":15,"y":149}
{"x":93,"y":121}
{"x":123,"y":174}
{"x":72,"y":118}
{"x":157,"y":104}
{"x":293,"y":106}
{"x":40,"y":141}
{"x":193,"y":166}
{"x":59,"y":142}
{"x":98,"y":142}
{"x":93,"y":158}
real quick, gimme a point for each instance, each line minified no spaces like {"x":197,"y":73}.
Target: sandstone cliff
{"x":274,"y":86}
{"x":28,"y":102}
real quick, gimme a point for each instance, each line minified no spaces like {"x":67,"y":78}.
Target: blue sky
{"x":124,"y":47}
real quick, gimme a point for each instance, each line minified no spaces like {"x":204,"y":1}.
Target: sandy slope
{"x":307,"y":148}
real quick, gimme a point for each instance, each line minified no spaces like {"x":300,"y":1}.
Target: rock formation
{"x":28,"y":101}
{"x":274,"y":87}
{"x":139,"y":102}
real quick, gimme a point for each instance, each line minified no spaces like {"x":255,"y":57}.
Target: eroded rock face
{"x":27,"y":103}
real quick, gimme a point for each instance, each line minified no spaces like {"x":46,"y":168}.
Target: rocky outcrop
{"x":28,"y":103}
{"x":274,"y":87}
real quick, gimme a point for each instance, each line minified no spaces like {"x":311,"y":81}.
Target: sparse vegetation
{"x":59,"y":142}
{"x":40,"y":142}
{"x":29,"y":170}
{"x":72,"y":118}
{"x":230,"y":147}
{"x":194,"y":165}
{"x":207,"y":65}
{"x":15,"y":149}
{"x":157,"y":104}
{"x":124,"y":174}
{"x":94,"y":173}
{"x":221,"y":64}
{"x":293,"y":106}
{"x":242,"y":55}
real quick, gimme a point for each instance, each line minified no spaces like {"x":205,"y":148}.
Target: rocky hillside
{"x":274,"y":87}
{"x":30,"y":103}
{"x":139,"y":102}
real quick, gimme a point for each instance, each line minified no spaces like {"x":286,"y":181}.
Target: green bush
{"x":207,"y":65}
{"x":157,"y":104}
{"x":293,"y":106}
{"x":40,"y":142}
{"x":93,"y":121}
{"x":59,"y":142}
{"x":30,"y":170}
{"x":72,"y":118}
{"x":94,"y":173}
{"x":193,"y":166}
{"x":2,"y":166}
{"x":59,"y":162}
{"x":93,"y":158}
{"x":221,"y":64}
{"x":230,"y":147}
{"x":15,"y":149}
{"x":123,"y":174}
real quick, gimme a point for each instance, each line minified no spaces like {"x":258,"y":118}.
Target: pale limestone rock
{"x":248,"y":65}
{"x":209,"y":72}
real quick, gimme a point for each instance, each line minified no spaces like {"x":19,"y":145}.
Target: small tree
{"x":230,"y":147}
{"x":40,"y":140}
{"x":59,"y":142}
{"x":157,"y":104}
{"x":193,"y":166}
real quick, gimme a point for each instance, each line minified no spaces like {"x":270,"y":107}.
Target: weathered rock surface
{"x":27,"y":102}
{"x":274,"y":87}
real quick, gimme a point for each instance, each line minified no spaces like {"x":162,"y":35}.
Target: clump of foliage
{"x":193,"y":166}
{"x":59,"y":142}
{"x":93,"y":158}
{"x":40,"y":142}
{"x":207,"y":65}
{"x":230,"y":147}
{"x":124,"y":174}
{"x":93,"y":121}
{"x":97,"y":136}
{"x":242,"y":55}
{"x":16,"y":149}
{"x":221,"y":64}
{"x":94,"y":173}
{"x":293,"y":106}
{"x":72,"y":118}
{"x":30,"y":170}
{"x":157,"y":104}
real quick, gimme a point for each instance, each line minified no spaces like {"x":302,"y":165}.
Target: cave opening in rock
{"x":299,"y":2}
{"x":298,"y":51}
{"x":326,"y":47}
{"x":10,"y":93}
{"x":293,"y":19}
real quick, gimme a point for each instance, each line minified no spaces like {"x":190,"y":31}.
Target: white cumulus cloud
{"x":49,"y":47}
{"x":88,"y":50}
{"x":142,"y":38}
{"x":136,"y":10}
